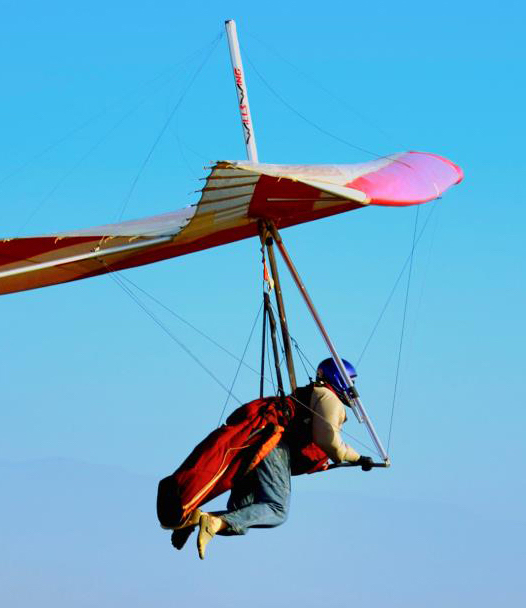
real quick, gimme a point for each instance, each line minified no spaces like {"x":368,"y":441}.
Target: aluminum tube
{"x":241,"y":89}
{"x":282,"y":316}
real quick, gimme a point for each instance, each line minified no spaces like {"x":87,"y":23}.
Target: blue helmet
{"x":328,"y":372}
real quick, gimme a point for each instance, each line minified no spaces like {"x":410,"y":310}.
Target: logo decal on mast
{"x":243,"y":108}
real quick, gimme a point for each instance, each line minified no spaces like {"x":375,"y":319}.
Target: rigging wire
{"x":171,"y":75}
{"x":126,"y":199}
{"x":117,"y":279}
{"x":330,"y":93}
{"x":200,"y":155}
{"x":424,"y":280}
{"x":196,"y":329}
{"x":270,"y":380}
{"x":403,"y":327}
{"x":120,"y":280}
{"x":300,"y":358}
{"x":182,"y":152}
{"x":311,"y":122}
{"x":172,"y":70}
{"x":240,"y":364}
{"x":395,"y":285}
{"x":64,"y":177}
{"x":190,"y":325}
{"x":302,"y":354}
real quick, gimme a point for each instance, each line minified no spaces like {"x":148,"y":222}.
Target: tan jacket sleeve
{"x":328,"y":418}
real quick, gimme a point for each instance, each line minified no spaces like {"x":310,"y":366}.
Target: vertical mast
{"x":241,"y":88}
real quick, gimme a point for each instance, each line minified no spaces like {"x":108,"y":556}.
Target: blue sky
{"x":98,"y":403}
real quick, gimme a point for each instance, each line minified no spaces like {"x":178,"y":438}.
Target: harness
{"x":305,"y":455}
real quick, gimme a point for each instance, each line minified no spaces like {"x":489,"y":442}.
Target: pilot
{"x":261,"y":499}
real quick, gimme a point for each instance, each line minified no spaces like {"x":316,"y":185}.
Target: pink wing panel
{"x":412,"y":177}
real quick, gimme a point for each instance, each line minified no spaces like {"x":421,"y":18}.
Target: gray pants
{"x":262,"y":499}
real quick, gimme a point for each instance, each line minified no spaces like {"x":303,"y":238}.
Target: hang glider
{"x":235,"y":197}
{"x":240,"y":199}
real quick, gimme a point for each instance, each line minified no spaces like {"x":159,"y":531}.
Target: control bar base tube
{"x":350,"y":385}
{"x":374,"y":465}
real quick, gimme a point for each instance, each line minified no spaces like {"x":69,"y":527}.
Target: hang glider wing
{"x":235,"y":197}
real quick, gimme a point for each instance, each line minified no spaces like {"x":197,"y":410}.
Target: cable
{"x":196,"y":329}
{"x":165,"y":125}
{"x":120,"y":282}
{"x":97,"y":115}
{"x":301,"y":353}
{"x":182,"y":153}
{"x":300,"y":358}
{"x":424,"y":281}
{"x":312,"y":123}
{"x":403,"y":327}
{"x":85,"y":156}
{"x":116,"y":277}
{"x":393,"y":289}
{"x":330,"y":93}
{"x":239,"y":365}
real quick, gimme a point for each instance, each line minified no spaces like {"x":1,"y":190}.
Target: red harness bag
{"x":229,"y":452}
